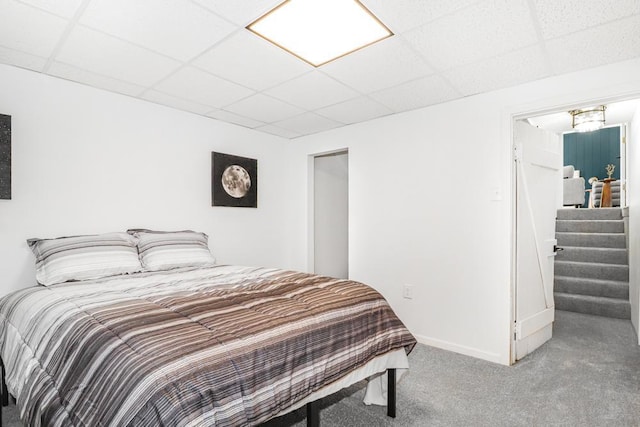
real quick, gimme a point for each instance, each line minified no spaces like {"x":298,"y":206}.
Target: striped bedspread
{"x":223,"y":345}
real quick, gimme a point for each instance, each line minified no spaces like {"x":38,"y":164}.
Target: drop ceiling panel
{"x":64,"y":8}
{"x":175,"y":102}
{"x":21,"y":59}
{"x":241,"y":12}
{"x":264,"y":108}
{"x":405,"y":15}
{"x":29,"y":30}
{"x":196,"y":55}
{"x":274,"y":130}
{"x":509,"y":69}
{"x":308,"y":123}
{"x":251,"y":61}
{"x":102,"y":54}
{"x":312,"y":90}
{"x":198,"y":86}
{"x":609,"y":43}
{"x":177,"y":28}
{"x":355,"y":110}
{"x":72,"y":73}
{"x":558,"y":18}
{"x":229,"y":117}
{"x":486,"y":29}
{"x":381,"y":65}
{"x":408,"y":96}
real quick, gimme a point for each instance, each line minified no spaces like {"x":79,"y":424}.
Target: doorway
{"x":331,"y":214}
{"x":558,"y":124}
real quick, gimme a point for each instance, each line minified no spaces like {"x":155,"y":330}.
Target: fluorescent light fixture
{"x":588,"y":119}
{"x":319,"y":31}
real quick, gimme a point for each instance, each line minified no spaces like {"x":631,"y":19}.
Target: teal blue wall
{"x":591,"y":152}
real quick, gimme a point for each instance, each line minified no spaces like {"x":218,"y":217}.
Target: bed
{"x":187,"y":343}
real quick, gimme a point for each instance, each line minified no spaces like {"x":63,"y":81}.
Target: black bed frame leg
{"x":391,"y":393}
{"x":3,"y":390}
{"x":313,"y":414}
{"x":5,"y":393}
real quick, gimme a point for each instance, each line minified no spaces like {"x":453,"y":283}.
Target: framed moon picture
{"x":234,"y":181}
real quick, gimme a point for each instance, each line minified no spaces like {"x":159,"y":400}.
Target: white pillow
{"x":84,"y":257}
{"x":164,"y":250}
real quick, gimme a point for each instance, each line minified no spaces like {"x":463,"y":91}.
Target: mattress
{"x":223,"y":345}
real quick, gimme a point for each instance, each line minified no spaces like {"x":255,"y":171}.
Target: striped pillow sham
{"x":84,"y":257}
{"x":164,"y":250}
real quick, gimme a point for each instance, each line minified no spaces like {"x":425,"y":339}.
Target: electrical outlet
{"x":407,"y":291}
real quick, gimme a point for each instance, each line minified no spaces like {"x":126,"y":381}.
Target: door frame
{"x":509,"y":117}
{"x":311,"y":229}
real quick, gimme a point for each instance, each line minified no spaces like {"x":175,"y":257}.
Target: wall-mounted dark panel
{"x":5,"y":156}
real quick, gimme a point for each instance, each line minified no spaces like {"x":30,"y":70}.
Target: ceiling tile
{"x":66,"y":8}
{"x":28,"y":29}
{"x":312,"y":90}
{"x":501,"y":71}
{"x":486,"y":29}
{"x":308,"y":123}
{"x":558,"y":18}
{"x":70,"y":72}
{"x":416,"y":94}
{"x":596,"y":46}
{"x":177,"y":28}
{"x":199,"y":86}
{"x":404,"y":15}
{"x":229,"y":117}
{"x":355,"y":110}
{"x":21,"y":59}
{"x":172,"y":101}
{"x":106,"y":55}
{"x":251,"y":61}
{"x":381,"y":65}
{"x":263,"y":108}
{"x":241,"y":12}
{"x":274,"y":130}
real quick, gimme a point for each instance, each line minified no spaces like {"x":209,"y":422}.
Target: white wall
{"x":89,"y":161}
{"x":421,"y":190}
{"x":633,"y":194}
{"x":331,"y":215}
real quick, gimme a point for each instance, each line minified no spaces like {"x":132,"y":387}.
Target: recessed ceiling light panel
{"x":319,"y":31}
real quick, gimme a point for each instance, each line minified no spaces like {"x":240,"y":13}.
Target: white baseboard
{"x":467,"y":351}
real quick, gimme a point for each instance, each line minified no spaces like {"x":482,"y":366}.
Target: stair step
{"x":585,"y":254}
{"x":599,"y":306}
{"x":590,"y":214}
{"x":592,"y":287}
{"x":594,"y":240}
{"x":592,"y":270}
{"x":590,"y":226}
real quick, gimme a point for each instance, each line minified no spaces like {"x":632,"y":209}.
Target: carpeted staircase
{"x":592,"y":272}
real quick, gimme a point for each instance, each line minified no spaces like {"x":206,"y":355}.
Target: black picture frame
{"x":234,"y":181}
{"x":5,"y":157}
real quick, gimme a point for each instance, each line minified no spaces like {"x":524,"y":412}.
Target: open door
{"x":538,"y":162}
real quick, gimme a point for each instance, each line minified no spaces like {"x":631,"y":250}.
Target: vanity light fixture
{"x":319,"y":31}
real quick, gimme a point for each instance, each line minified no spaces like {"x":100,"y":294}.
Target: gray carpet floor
{"x":587,"y":375}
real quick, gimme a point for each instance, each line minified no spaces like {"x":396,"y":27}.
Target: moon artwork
{"x":234,"y":181}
